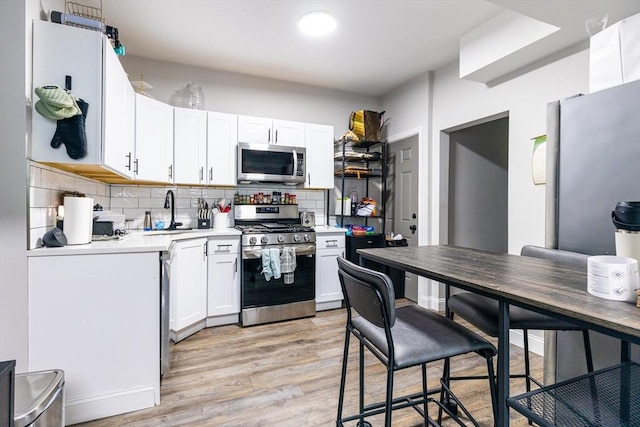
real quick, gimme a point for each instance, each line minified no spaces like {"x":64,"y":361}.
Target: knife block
{"x":204,"y":223}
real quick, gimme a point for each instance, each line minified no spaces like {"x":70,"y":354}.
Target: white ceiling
{"x":378,"y":44}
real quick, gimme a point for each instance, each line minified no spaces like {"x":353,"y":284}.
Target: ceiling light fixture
{"x":317,"y":23}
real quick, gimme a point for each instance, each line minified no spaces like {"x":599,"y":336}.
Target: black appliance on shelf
{"x":353,"y":243}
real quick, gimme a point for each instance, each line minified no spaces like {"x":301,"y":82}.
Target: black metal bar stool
{"x":401,"y":338}
{"x":482,"y":312}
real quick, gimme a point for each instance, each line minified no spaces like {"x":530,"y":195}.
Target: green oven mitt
{"x":71,"y":132}
{"x":56,"y":103}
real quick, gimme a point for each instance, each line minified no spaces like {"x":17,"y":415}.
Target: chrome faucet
{"x":170,"y":202}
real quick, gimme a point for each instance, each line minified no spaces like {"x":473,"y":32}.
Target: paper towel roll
{"x":613,"y":277}
{"x":78,"y":220}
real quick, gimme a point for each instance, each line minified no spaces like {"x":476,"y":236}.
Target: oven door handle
{"x":301,"y":249}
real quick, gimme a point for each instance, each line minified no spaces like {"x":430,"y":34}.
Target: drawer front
{"x":223,"y":246}
{"x":329,"y":241}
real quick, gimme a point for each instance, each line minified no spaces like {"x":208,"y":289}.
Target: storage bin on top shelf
{"x":367,"y":125}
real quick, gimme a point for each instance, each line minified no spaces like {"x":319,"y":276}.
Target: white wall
{"x":456,"y":102}
{"x":13,"y":184}
{"x":408,"y":110}
{"x":247,"y":95}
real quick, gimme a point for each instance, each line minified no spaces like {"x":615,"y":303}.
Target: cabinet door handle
{"x":204,"y":252}
{"x":211,"y":174}
{"x":268,"y":135}
{"x":235,"y":265}
{"x":135,"y":168}
{"x":309,"y":178}
{"x":128,"y":165}
{"x":331,"y":244}
{"x":201,"y":173}
{"x":170,"y":171}
{"x":223,"y":248}
{"x":276,"y":136}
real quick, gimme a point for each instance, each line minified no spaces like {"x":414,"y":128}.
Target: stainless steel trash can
{"x":39,"y":399}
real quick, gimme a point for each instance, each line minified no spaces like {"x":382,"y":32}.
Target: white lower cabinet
{"x":188,"y":288}
{"x":223,"y":288}
{"x":97,"y":318}
{"x":329,"y":246}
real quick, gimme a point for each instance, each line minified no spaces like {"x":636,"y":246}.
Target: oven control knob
{"x":263,"y":239}
{"x":296,"y":238}
{"x":281,"y":238}
{"x":306,"y":237}
{"x":252,"y":240}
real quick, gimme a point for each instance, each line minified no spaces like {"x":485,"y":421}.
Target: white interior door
{"x":403,"y":199}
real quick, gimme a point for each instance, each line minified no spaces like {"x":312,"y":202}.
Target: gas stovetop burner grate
{"x":274,"y":228}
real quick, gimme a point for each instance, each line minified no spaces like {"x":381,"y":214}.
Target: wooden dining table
{"x":540,"y":285}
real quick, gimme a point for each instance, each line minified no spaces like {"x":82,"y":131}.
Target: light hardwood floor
{"x":287,"y":374}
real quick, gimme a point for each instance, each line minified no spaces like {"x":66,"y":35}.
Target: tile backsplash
{"x":47,"y":185}
{"x":133,"y":201}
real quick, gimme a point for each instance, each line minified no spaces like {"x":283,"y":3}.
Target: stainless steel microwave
{"x":270,"y":163}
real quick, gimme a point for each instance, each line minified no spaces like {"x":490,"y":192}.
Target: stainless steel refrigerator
{"x":593,"y":162}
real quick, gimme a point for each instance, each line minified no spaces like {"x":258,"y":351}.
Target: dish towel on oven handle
{"x":288,"y":264}
{"x":275,"y":262}
{"x":266,"y":264}
{"x":270,"y":263}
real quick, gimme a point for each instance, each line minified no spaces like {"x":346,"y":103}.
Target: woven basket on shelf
{"x":638,"y":293}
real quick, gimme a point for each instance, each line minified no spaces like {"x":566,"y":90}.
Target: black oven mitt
{"x":71,"y":132}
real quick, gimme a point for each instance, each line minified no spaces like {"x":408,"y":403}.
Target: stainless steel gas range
{"x":278,"y":264}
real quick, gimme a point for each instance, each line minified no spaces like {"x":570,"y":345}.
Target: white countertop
{"x":150,"y":241}
{"x":327,"y":229}
{"x":136,"y":241}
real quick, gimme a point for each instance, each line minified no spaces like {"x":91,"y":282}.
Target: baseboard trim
{"x":536,"y":343}
{"x":177,"y":336}
{"x":430,"y":302}
{"x":107,"y":405}
{"x":328,"y":305}
{"x":226,"y":319}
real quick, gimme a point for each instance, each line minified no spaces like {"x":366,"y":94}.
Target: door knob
{"x":413,"y":229}
{"x":414,"y":216}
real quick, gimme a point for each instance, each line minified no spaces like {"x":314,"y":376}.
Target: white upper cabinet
{"x":319,"y":162}
{"x":97,"y":77}
{"x":260,"y":130}
{"x":288,"y":133}
{"x":189,"y":145}
{"x":154,"y":140}
{"x":118,"y":116}
{"x":222,"y":140}
{"x":60,"y":51}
